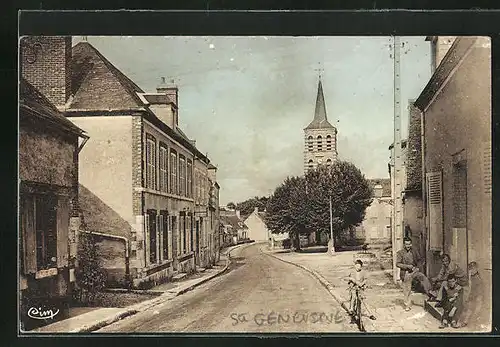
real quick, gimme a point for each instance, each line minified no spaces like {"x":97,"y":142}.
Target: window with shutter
{"x":173,"y":173}
{"x":163,"y":158}
{"x":150,"y":162}
{"x":435,"y":210}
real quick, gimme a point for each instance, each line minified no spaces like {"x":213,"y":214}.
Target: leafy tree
{"x":350,"y":194}
{"x":302,"y":204}
{"x":248,"y":206}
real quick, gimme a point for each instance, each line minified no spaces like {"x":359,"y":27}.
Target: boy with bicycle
{"x":357,"y":282}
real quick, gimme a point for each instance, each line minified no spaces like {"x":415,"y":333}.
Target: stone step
{"x":179,"y":276}
{"x":436,"y":312}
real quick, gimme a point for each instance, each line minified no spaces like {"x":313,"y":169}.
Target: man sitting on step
{"x":448,"y":267}
{"x":452,"y":302}
{"x":410,"y":262}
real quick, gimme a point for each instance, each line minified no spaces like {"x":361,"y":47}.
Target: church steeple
{"x":320,"y":136}
{"x":320,"y":120}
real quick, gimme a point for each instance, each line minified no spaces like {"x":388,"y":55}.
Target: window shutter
{"x":160,"y":237}
{"x":169,"y":225}
{"x":29,"y":235}
{"x":435,"y":210}
{"x":487,"y":168}
{"x":62,"y":231}
{"x":146,"y":237}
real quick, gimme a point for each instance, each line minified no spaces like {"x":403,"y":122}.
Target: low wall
{"x":112,"y":258}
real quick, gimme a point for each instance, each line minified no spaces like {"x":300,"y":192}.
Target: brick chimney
{"x":170,"y":89}
{"x":46,"y":64}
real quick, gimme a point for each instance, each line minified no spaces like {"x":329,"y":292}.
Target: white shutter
{"x":435,"y":210}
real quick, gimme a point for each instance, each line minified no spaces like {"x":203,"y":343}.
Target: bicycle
{"x":356,"y":311}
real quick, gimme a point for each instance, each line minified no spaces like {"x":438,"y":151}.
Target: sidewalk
{"x":98,"y":318}
{"x":384,"y":298}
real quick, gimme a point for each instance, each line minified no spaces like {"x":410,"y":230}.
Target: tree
{"x":350,"y":193}
{"x":231,"y":206}
{"x":248,"y":206}
{"x":302,"y":204}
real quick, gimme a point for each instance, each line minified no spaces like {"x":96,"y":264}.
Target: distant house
{"x":257,"y":229}
{"x":233,"y":226}
{"x":375,"y":227}
{"x":49,"y":216}
{"x":278,"y":240}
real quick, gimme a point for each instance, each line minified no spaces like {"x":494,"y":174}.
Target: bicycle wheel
{"x":358,"y":313}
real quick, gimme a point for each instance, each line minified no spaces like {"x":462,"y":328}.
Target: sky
{"x":246,"y":100}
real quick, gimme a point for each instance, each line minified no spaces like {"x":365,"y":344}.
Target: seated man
{"x":409,"y":260}
{"x":452,"y":302}
{"x":448,"y":267}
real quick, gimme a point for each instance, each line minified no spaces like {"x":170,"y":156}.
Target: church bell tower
{"x":320,"y":137}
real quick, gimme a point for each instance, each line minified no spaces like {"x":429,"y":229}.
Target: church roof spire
{"x":320,"y":120}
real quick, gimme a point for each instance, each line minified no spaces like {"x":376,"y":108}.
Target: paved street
{"x":258,"y":294}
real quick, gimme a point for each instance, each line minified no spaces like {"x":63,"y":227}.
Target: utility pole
{"x":331,"y":228}
{"x":397,"y":234}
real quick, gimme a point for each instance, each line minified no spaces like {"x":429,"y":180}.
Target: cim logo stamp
{"x":38,"y":313}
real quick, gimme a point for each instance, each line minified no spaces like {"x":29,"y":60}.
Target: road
{"x":258,"y":294}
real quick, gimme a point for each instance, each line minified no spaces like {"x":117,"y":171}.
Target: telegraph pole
{"x":331,"y":228}
{"x":397,"y":234}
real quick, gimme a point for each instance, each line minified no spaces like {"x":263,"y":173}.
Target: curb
{"x":165,"y":296}
{"x":103,"y":323}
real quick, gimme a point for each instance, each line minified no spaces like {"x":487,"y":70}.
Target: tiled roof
{"x":233,"y":221}
{"x":384,"y":182}
{"x":34,"y":101}
{"x":98,"y":84}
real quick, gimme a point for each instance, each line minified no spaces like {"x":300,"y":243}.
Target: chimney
{"x":46,"y":64}
{"x":377,"y":190}
{"x":170,"y":89}
{"x":256,"y":209}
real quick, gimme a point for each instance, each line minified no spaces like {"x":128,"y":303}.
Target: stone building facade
{"x":137,"y":175}
{"x":456,"y":114}
{"x":49,"y":218}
